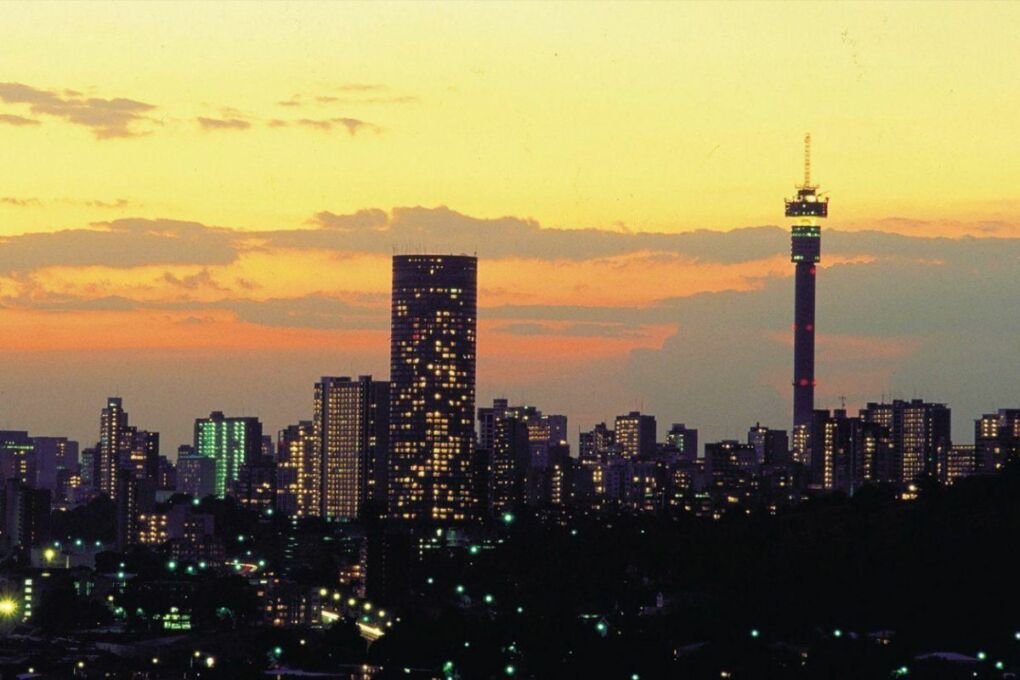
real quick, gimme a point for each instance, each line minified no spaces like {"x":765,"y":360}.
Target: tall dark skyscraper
{"x":806,"y":249}
{"x":114,"y":441}
{"x":432,"y":387}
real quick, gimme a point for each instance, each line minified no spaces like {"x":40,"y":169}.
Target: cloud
{"x":202,"y":279}
{"x":20,"y":202}
{"x":114,"y":204}
{"x":443,"y":229}
{"x":106,"y":118}
{"x":350,"y":94}
{"x":939,"y":227}
{"x":353,"y":125}
{"x":360,"y":87}
{"x":35,"y":202}
{"x":578,"y":330}
{"x":11,"y":119}
{"x":222,"y":123}
{"x":363,"y":219}
{"x":121,"y":243}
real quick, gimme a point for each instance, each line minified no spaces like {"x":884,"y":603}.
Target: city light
{"x":755,"y":632}
{"x":8,"y":607}
{"x":510,"y":669}
{"x":49,"y":554}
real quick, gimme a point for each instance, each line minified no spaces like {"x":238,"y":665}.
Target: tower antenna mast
{"x":807,"y":161}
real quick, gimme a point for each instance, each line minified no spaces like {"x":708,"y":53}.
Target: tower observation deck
{"x":808,"y":207}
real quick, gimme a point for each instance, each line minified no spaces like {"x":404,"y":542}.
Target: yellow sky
{"x":655,"y":116}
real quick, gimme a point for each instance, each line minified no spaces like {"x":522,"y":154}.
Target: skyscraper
{"x":683,"y":440}
{"x":635,"y":434}
{"x":487,"y":417}
{"x":432,"y":389}
{"x":140,"y":455}
{"x":196,"y":475}
{"x":806,"y":248}
{"x":299,"y":484}
{"x":24,"y":514}
{"x":352,"y":434}
{"x":595,"y":444}
{"x":997,"y":439}
{"x":230,"y":442}
{"x":920,"y":432}
{"x":508,"y":464}
{"x":17,"y":457}
{"x":114,"y":442}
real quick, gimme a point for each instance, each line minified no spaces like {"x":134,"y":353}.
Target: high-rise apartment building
{"x":432,"y":388}
{"x":996,"y":439}
{"x":487,"y":417}
{"x":17,"y":457}
{"x":596,"y":443}
{"x":920,"y":432}
{"x":683,"y":440}
{"x":230,"y":442}
{"x":299,"y":473}
{"x":351,"y":421}
{"x":196,"y":475}
{"x":635,"y":434}
{"x":114,"y":442}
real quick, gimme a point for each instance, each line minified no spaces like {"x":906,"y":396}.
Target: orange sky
{"x":270,"y":126}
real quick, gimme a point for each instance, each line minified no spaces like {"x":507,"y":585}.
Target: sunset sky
{"x":198,"y":202}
